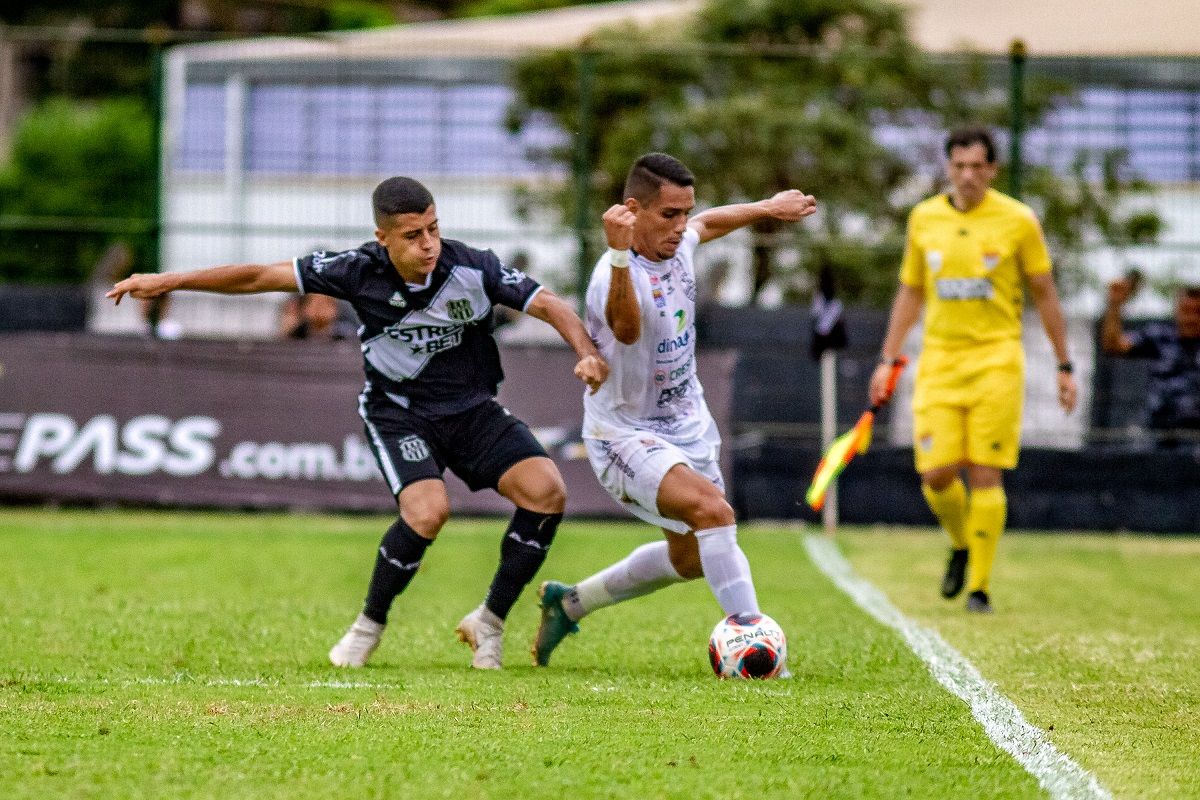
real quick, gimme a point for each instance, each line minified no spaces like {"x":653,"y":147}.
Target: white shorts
{"x":632,"y":467}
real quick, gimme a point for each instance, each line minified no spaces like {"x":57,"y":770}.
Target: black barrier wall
{"x":1049,"y":490}
{"x":255,"y":425}
{"x":275,"y":425}
{"x":1112,"y":484}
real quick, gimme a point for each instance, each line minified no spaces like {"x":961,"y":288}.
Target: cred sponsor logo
{"x":682,"y":369}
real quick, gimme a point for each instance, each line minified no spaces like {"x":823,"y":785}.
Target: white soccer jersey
{"x":652,"y":383}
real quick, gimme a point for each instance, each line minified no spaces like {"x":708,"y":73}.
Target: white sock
{"x":726,"y":569}
{"x":647,"y":569}
{"x":489,"y":617}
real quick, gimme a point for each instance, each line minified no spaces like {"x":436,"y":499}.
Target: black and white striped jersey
{"x":430,"y":349}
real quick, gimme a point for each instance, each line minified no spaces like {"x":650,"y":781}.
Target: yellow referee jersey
{"x":970,"y":265}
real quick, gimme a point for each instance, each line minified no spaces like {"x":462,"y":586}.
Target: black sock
{"x":522,"y":552}
{"x":399,"y":556}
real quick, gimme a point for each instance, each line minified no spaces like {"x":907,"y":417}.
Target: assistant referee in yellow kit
{"x":967,"y":257}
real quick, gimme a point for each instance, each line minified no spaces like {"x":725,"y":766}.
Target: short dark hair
{"x":1191,"y":291}
{"x":969,"y":135}
{"x":651,"y":171}
{"x":399,"y":196}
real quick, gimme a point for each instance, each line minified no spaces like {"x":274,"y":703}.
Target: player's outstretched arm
{"x":592,"y":369}
{"x":232,"y":279}
{"x":1045,"y":299}
{"x":791,"y":205}
{"x":906,"y":310}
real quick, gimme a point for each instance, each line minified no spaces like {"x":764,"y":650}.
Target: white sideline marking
{"x":1003,"y":722}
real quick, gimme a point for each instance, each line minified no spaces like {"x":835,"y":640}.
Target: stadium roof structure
{"x":1048,"y":27}
{"x":1059,"y":27}
{"x":483,"y":37}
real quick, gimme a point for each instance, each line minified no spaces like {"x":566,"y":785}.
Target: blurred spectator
{"x":154,"y":312}
{"x":1173,"y":397}
{"x":315,"y":316}
{"x":117,"y":262}
{"x":710,"y":285}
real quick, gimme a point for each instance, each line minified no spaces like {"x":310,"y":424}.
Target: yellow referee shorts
{"x":967,"y":406}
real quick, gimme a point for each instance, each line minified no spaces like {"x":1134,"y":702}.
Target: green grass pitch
{"x":183,"y":655}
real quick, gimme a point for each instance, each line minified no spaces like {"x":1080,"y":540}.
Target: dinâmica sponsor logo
{"x":155,"y":444}
{"x":673,"y":344}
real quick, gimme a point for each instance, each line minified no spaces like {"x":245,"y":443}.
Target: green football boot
{"x":555,"y":624}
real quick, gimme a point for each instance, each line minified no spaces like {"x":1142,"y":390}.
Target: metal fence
{"x":249,"y":126}
{"x":269,"y":149}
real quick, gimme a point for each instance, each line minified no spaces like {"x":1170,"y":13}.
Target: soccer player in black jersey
{"x":432,"y":370}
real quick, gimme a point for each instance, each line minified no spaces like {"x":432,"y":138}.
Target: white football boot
{"x":355,"y":648}
{"x":484,"y":632}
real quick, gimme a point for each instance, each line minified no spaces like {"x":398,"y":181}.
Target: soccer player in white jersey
{"x":649,"y":435}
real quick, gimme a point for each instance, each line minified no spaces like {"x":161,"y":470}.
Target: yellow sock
{"x":985,"y":522}
{"x":950,"y":507}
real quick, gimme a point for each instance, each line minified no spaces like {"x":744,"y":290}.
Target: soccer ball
{"x":747,"y":645}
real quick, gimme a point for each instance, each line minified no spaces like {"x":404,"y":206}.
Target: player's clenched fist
{"x":618,"y":227}
{"x":791,"y":205}
{"x":592,"y":370}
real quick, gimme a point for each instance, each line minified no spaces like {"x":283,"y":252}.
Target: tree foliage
{"x":77,"y":161}
{"x":87,"y":164}
{"x":763,"y":95}
{"x":80,"y":62}
{"x":492,"y":8}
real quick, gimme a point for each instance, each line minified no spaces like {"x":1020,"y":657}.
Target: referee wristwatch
{"x":1066,"y":367}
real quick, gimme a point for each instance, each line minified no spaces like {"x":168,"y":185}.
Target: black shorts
{"x":478,"y":445}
